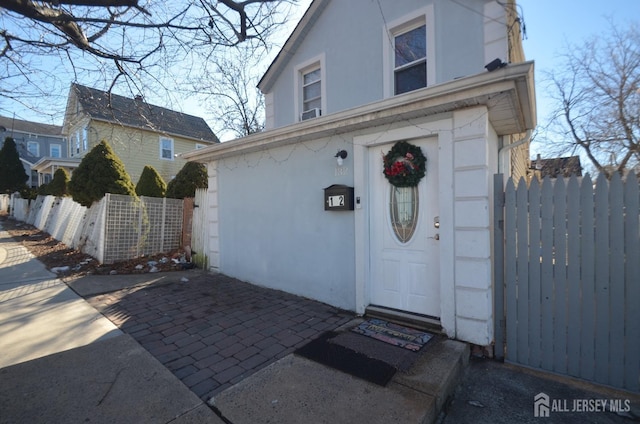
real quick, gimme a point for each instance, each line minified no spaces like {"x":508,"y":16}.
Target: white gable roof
{"x":292,"y":43}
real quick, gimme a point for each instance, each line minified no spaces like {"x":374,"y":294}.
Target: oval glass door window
{"x":403,"y":209}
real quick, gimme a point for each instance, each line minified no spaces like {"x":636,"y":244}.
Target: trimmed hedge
{"x":101,"y":171}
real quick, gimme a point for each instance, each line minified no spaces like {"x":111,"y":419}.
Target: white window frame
{"x":85,"y":139}
{"x":53,"y":146}
{"x":160,"y":140}
{"x":310,"y":65}
{"x":423,"y":16}
{"x":33,"y":143}
{"x":77,"y":147}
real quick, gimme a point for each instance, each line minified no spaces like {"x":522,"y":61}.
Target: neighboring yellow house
{"x":139,"y":133}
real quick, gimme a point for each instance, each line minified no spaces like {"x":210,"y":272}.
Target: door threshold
{"x":422,"y":322}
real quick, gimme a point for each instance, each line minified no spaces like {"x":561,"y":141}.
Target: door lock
{"x":436,"y":221}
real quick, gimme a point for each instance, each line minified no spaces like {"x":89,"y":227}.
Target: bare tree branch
{"x":107,"y":40}
{"x":597,"y":89}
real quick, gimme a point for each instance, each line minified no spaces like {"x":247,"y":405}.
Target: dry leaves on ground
{"x":55,"y":254}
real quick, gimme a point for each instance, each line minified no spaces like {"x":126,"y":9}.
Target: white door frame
{"x":443,"y":130}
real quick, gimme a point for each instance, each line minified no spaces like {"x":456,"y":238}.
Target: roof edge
{"x":517,"y":78}
{"x":290,"y":46}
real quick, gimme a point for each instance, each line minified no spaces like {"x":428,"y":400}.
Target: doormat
{"x":394,"y":334}
{"x":399,"y":358}
{"x":343,"y":359}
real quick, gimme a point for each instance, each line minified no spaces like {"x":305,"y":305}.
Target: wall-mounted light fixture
{"x":341,"y":156}
{"x":495,"y":64}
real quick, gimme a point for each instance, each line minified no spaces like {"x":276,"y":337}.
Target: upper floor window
{"x":85,"y":139}
{"x":410,"y":65}
{"x":166,"y":148}
{"x":55,"y":150}
{"x":409,"y":52}
{"x":310,"y":88}
{"x":33,"y":147}
{"x":78,"y":142}
{"x":200,"y":146}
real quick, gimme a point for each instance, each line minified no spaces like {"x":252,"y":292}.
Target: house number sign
{"x":335,"y":201}
{"x":338,"y":198}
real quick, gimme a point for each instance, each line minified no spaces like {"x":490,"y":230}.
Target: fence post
{"x":498,"y":265}
{"x":164,"y":217}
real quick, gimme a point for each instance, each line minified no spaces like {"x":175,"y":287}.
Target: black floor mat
{"x":399,"y":358}
{"x":359,"y":365}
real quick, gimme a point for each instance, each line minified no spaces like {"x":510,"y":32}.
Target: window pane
{"x":311,"y":77}
{"x":313,"y":104}
{"x":311,"y":91}
{"x":56,"y":151}
{"x":411,"y":78}
{"x":411,"y":46}
{"x":404,"y":212}
{"x":166,"y":148}
{"x":32,"y":147}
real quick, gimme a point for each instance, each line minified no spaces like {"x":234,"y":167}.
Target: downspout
{"x":505,"y":149}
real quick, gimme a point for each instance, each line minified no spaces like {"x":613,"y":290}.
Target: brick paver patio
{"x":213,"y":330}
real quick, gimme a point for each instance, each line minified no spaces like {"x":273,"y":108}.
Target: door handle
{"x":435,"y":237}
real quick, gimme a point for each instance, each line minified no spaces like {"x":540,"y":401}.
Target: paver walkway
{"x":213,"y":331}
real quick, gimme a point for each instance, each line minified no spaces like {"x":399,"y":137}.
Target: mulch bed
{"x":53,"y":253}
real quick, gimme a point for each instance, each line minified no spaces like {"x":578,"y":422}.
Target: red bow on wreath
{"x":404,"y":165}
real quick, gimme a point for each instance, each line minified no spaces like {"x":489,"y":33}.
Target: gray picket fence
{"x":567,"y":274}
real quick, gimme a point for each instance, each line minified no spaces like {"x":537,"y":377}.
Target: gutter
{"x":516,"y":79}
{"x":505,"y":149}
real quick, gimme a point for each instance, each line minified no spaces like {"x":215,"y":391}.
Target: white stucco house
{"x":360,"y":76}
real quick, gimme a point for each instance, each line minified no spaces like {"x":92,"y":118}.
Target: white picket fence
{"x":568,"y":277}
{"x":114,"y":229}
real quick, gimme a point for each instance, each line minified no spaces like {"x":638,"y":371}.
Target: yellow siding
{"x":516,"y":51}
{"x":137,"y":148}
{"x":519,"y":158}
{"x":519,"y":155}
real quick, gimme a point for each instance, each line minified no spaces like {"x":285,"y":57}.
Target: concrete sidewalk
{"x":61,"y":361}
{"x":229,"y":344}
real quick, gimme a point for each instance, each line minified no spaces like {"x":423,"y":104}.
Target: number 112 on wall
{"x":335,"y":201}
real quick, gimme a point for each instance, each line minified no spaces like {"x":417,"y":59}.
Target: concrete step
{"x":437,"y":373}
{"x":295,"y":389}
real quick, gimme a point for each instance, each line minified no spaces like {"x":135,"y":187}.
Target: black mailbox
{"x":338,"y":197}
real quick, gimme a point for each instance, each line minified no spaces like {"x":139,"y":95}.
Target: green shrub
{"x":44,"y":189}
{"x":151,"y":183}
{"x":58,"y":186}
{"x":12,"y":175}
{"x":192,"y":176}
{"x":100,"y":172}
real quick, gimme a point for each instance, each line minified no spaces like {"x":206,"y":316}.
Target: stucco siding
{"x":273,"y":229}
{"x":474,"y":143}
{"x":355,"y":72}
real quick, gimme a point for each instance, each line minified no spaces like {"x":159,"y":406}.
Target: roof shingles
{"x":101,"y":105}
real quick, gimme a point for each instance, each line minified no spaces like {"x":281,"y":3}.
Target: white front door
{"x":404,"y":272}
